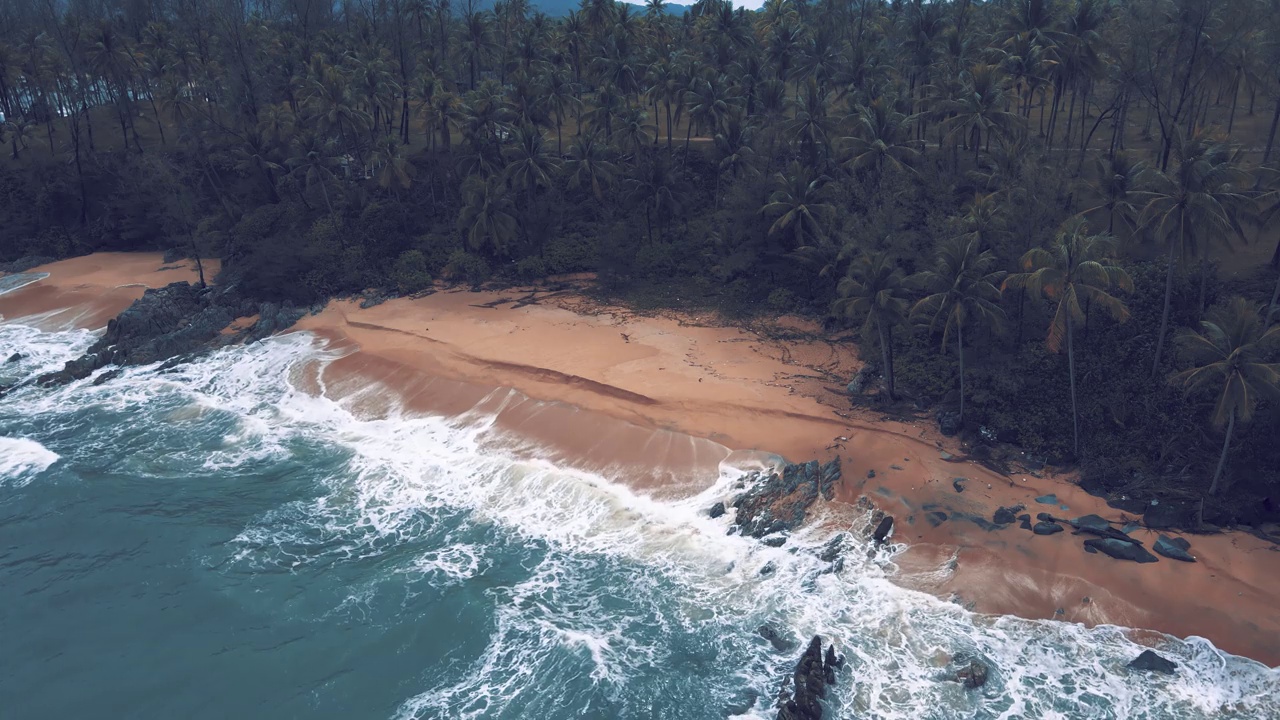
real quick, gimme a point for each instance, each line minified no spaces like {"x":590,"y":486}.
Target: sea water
{"x":211,"y":541}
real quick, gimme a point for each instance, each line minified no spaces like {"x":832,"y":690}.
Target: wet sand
{"x":660,"y":402}
{"x":87,"y":291}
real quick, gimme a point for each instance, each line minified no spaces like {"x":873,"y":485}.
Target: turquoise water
{"x":210,"y":542}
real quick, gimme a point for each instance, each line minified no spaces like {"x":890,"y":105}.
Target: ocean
{"x":210,"y":541}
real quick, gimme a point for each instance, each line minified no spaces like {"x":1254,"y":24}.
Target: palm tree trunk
{"x":1222,"y":461}
{"x":886,"y":359}
{"x":1273,"y":311}
{"x":1271,"y":136}
{"x":960,"y":352}
{"x":1164,"y":316}
{"x":1071,"y":369}
{"x":1204,"y":284}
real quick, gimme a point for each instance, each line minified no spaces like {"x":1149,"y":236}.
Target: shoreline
{"x":623,"y":394}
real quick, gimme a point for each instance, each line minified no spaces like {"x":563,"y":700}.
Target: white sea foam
{"x":22,"y":459}
{"x":621,"y":576}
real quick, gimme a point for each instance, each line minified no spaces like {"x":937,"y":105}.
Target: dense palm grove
{"x":1023,"y":204}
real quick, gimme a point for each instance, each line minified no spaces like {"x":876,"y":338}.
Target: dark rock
{"x":809,"y":686}
{"x":958,"y":484}
{"x":1046,"y":528}
{"x":108,"y":376}
{"x":974,"y":675}
{"x":828,"y":475}
{"x":936,"y":518}
{"x":1089,"y":548}
{"x":768,"y":569}
{"x":948,"y":422}
{"x":1121,"y":550}
{"x":833,"y":660}
{"x":1045,"y":517}
{"x":1181,"y":542}
{"x":775,"y":541}
{"x":1152,"y":662}
{"x":883,"y":530}
{"x":717,"y":510}
{"x":871,"y":474}
{"x":779,"y":642}
{"x":1007,"y":515}
{"x":1166,"y":515}
{"x":1173,"y":550}
{"x":1024,"y":522}
{"x":1049,"y":499}
{"x":1129,"y":528}
{"x":780,"y":502}
{"x":14,"y":358}
{"x":832,"y":550}
{"x":1095,"y":525}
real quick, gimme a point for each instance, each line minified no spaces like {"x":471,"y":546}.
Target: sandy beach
{"x":660,"y":402}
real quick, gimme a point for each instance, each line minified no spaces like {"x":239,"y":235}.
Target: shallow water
{"x":211,"y":542}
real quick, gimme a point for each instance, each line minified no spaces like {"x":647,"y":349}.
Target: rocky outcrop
{"x":882,"y":531}
{"x":1046,"y":528}
{"x":24,"y":264}
{"x":802,"y":693}
{"x":177,"y":320}
{"x":1007,"y":515}
{"x":1120,"y":550}
{"x":1174,"y":549}
{"x":780,"y":501}
{"x":973,"y":675}
{"x":1150,"y":661}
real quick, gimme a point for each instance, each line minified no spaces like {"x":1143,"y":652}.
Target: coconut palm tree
{"x":488,"y":219}
{"x":530,"y":166}
{"x":1115,"y":190}
{"x":1077,"y":273}
{"x":1200,"y":201}
{"x":874,"y":292}
{"x":314,"y":159}
{"x":962,"y":292}
{"x":656,"y":187}
{"x":1229,"y":354}
{"x":882,"y":138}
{"x":980,"y":111}
{"x":799,"y":206}
{"x":589,"y":166}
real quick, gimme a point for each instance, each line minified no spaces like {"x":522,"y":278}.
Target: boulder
{"x":716,"y":510}
{"x":775,"y":541}
{"x":742,"y":704}
{"x":768,"y":569}
{"x":974,"y":675}
{"x":14,"y":358}
{"x":779,"y":642}
{"x":883,"y":530}
{"x":871,"y":473}
{"x":1007,"y":515}
{"x":809,"y":686}
{"x":948,"y":422}
{"x":1121,"y":549}
{"x":1095,"y":525}
{"x":1046,"y":528}
{"x":958,"y":484}
{"x":1172,"y":549}
{"x":778,"y":502}
{"x":832,"y":550}
{"x":1150,"y":661}
{"x":1024,"y":522}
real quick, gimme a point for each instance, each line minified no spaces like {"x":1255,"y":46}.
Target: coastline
{"x":612,"y":391}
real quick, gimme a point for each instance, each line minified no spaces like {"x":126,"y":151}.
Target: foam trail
{"x":647,"y":599}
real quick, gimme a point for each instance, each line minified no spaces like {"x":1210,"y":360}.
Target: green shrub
{"x":570,"y":253}
{"x":467,"y":267}
{"x":530,"y":268}
{"x":410,"y":273}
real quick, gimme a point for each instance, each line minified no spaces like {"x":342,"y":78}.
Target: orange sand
{"x":86,"y":292}
{"x":660,"y":401}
